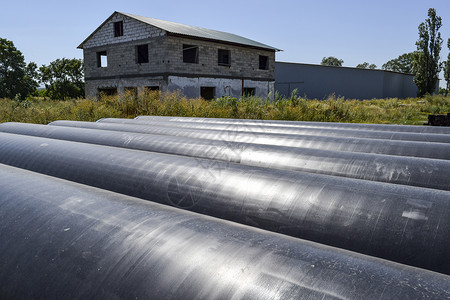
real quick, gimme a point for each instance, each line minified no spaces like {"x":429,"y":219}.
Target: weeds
{"x":333,"y":109}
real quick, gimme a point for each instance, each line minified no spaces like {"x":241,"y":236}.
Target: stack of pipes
{"x":170,"y":208}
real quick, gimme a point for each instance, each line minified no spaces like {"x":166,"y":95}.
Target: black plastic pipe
{"x":62,"y":240}
{"x":400,"y":148}
{"x":429,"y":173}
{"x":353,"y":133}
{"x":377,"y":127}
{"x":405,"y":224}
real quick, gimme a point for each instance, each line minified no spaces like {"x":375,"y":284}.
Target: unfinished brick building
{"x":135,"y":53}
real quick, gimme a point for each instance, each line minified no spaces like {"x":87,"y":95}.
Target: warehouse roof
{"x":191,"y":31}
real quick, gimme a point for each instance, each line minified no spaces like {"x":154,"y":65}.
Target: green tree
{"x":426,"y":65}
{"x":402,"y":64}
{"x":332,"y":61}
{"x":17,"y":79}
{"x":366,"y":65}
{"x":446,"y":66}
{"x":63,"y":78}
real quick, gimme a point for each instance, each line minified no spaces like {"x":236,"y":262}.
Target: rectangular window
{"x":151,"y":88}
{"x":224,"y":58}
{"x":102,"y":59}
{"x":142,"y":54}
{"x":118,"y":28}
{"x":190,"y":54}
{"x":248,"y":92}
{"x":107,"y":91}
{"x":207,"y":92}
{"x":263,"y":62}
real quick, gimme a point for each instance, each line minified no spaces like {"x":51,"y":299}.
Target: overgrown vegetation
{"x":333,"y":109}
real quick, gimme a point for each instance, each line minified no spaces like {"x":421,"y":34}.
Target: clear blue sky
{"x":355,"y":31}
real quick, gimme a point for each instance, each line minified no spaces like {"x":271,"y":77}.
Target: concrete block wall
{"x":132,"y":30}
{"x":190,"y":87}
{"x":122,"y":59}
{"x":166,"y":55}
{"x":244,"y":61}
{"x":121,"y":51}
{"x":92,"y":86}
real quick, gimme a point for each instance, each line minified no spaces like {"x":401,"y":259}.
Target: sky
{"x":373,"y":31}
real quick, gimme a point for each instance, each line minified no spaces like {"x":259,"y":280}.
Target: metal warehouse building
{"x":317,"y":81}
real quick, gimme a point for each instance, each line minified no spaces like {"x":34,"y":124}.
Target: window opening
{"x":102,"y":59}
{"x":152,"y":88}
{"x":263,"y":62}
{"x":190,"y":54}
{"x":142,"y":54}
{"x":249,"y":92}
{"x":118,"y":28}
{"x":107,"y":91}
{"x":224,"y":57}
{"x":207,"y":92}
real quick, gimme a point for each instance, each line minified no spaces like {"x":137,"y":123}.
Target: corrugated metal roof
{"x":196,"y":32}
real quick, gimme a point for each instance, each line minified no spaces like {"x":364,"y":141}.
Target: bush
{"x":333,"y":109}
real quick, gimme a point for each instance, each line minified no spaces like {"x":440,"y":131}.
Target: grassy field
{"x":333,"y":109}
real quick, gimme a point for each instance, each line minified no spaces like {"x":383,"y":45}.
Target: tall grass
{"x":333,"y":109}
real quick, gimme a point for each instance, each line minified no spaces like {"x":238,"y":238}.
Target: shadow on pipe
{"x":315,"y":131}
{"x":396,"y":222}
{"x":304,"y":124}
{"x":422,"y":172}
{"x":388,"y":147}
{"x":62,"y":240}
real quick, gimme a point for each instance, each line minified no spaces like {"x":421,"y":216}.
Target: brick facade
{"x":165,"y":61}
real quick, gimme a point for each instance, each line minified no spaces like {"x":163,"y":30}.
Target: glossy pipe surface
{"x":377,"y":127}
{"x":404,"y":224}
{"x":400,"y":148}
{"x":429,"y":173}
{"x":353,"y":133}
{"x":62,"y":240}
